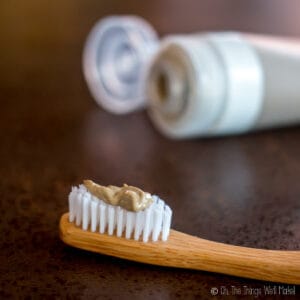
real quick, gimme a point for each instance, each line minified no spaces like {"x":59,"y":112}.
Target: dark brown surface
{"x":240,"y":190}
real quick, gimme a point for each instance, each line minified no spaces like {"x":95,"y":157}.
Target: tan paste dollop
{"x":128,"y":197}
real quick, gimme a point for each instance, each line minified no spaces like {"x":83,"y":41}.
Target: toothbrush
{"x":146,"y":237}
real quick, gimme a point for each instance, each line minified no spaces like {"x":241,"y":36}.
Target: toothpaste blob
{"x":93,"y":213}
{"x":128,"y":197}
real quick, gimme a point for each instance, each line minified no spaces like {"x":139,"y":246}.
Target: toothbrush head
{"x":96,"y":213}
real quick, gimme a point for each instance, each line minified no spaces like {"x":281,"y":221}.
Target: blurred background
{"x":43,"y":38}
{"x":37,"y":35}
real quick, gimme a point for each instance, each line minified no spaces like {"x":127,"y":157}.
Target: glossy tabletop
{"x":240,"y":190}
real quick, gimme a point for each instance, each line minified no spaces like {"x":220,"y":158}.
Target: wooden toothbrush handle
{"x":186,"y":251}
{"x":196,"y":253}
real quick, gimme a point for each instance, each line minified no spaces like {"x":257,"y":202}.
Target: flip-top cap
{"x":115,"y":57}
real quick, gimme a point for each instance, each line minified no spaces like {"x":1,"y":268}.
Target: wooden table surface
{"x":239,"y":190}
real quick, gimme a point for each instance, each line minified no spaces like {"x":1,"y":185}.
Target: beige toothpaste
{"x":128,"y":197}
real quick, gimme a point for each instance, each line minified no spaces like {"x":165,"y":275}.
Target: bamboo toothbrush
{"x":103,"y":227}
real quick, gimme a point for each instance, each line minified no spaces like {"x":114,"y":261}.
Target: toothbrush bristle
{"x":93,"y":214}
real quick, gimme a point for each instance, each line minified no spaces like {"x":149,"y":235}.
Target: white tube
{"x":280,"y":60}
{"x":115,"y":57}
{"x":223,"y":83}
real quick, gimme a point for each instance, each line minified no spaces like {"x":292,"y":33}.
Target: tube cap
{"x":115,"y":57}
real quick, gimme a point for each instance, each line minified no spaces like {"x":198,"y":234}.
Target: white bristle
{"x":86,"y":210}
{"x":103,"y":218}
{"x":78,"y":205}
{"x":72,"y":199}
{"x":111,"y":219}
{"x":148,"y":223}
{"x":120,"y":221}
{"x":166,"y":223}
{"x":157,"y":222}
{"x":160,"y":203}
{"x":138,"y":225}
{"x":82,"y":188}
{"x":94,"y":214}
{"x":130,"y":220}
